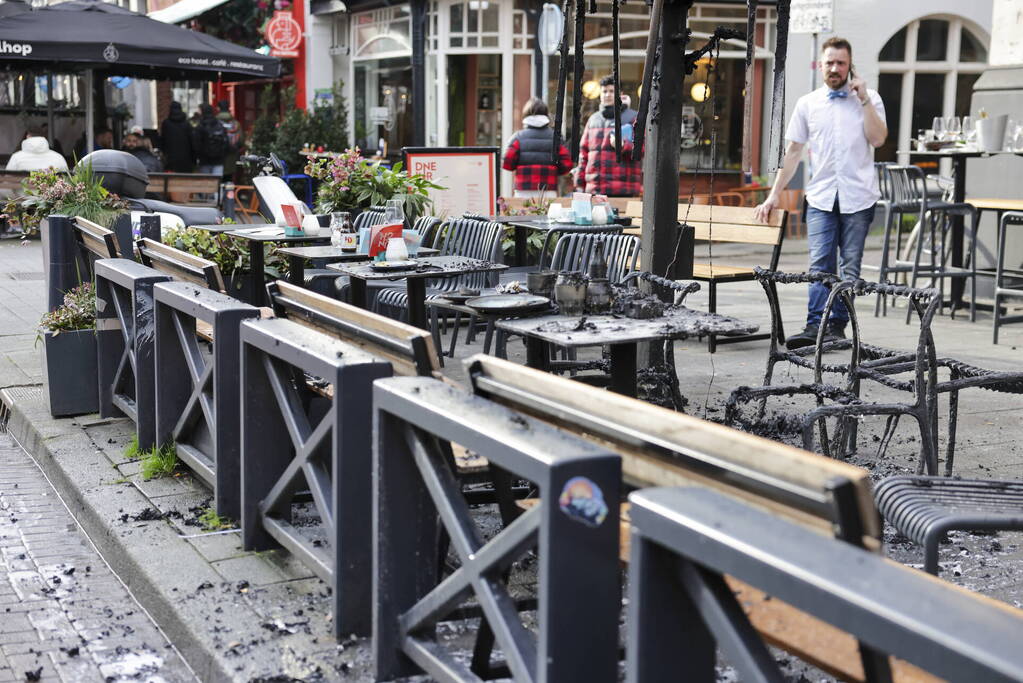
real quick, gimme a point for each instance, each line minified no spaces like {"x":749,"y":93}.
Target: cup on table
{"x":396,"y":249}
{"x":554,"y":212}
{"x":599,"y":215}
{"x":413,"y":240}
{"x":541,"y":282}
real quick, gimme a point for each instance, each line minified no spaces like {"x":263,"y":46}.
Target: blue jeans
{"x":827,"y":230}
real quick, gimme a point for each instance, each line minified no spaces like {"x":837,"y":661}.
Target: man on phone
{"x":599,"y":171}
{"x":842,"y":123}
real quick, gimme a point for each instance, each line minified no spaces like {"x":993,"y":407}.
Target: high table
{"x":958,"y":157}
{"x":415,"y":278}
{"x":622,"y":335}
{"x":257,"y":239}
{"x":297,"y":257}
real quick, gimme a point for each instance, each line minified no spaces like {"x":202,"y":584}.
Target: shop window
{"x":895,"y":49}
{"x":932,"y":40}
{"x":382,"y":32}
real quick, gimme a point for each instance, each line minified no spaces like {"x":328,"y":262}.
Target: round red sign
{"x":283,"y":33}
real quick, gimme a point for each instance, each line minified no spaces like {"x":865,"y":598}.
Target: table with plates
{"x":415,"y":272}
{"x":524,"y":224}
{"x":257,"y":238}
{"x":622,"y":336}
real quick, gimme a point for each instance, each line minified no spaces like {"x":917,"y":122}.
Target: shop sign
{"x":811,"y":16}
{"x":283,"y":34}
{"x":380,"y":116}
{"x":468,"y":176}
{"x":549,"y":29}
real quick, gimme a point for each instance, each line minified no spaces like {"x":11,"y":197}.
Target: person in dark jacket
{"x":529,"y":153}
{"x":178,"y":141}
{"x":599,"y":170}
{"x":134,"y":145}
{"x":213,"y":144}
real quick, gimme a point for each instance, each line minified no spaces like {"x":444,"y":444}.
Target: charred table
{"x":415,"y":278}
{"x":297,"y":257}
{"x":621,"y":334}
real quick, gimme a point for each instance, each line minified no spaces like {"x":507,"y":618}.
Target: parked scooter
{"x":124,"y":175}
{"x":271,"y":188}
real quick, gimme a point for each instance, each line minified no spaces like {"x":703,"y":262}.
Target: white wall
{"x":868,"y":24}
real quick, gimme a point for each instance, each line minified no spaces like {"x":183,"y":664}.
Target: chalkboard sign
{"x":467,"y":174}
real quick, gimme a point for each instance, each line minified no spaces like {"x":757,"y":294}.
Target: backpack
{"x":216,"y":142}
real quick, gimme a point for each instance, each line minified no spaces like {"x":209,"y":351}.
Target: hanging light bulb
{"x":591,"y":90}
{"x":700,"y":92}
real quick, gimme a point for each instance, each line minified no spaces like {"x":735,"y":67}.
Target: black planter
{"x":69,"y":372}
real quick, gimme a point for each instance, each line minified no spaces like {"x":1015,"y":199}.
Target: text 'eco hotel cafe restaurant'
{"x":482,"y":63}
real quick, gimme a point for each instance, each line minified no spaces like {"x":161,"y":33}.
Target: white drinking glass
{"x":394,"y":210}
{"x":954,"y":126}
{"x":554,"y":211}
{"x":599,"y":215}
{"x":396,"y":249}
{"x":969,"y":129}
{"x":938,"y":126}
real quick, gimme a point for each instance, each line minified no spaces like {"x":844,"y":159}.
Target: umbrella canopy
{"x":91,"y":34}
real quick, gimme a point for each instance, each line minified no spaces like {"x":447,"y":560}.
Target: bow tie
{"x":832,"y":94}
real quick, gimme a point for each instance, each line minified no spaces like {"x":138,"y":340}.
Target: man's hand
{"x":763,"y":211}
{"x":859,"y":86}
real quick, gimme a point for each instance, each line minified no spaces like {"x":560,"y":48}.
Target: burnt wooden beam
{"x":778,"y":100}
{"x":748,"y":94}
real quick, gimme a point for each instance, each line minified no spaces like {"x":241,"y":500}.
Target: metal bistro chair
{"x":1003,"y":275}
{"x":473,"y":238}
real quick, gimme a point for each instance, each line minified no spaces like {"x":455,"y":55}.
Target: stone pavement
{"x":64,"y":616}
{"x":237,"y":615}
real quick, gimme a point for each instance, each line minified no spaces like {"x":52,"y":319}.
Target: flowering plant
{"x":350,"y":181}
{"x":52,"y":192}
{"x":77,"y":313}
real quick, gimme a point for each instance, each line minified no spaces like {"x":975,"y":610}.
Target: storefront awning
{"x":184,"y":10}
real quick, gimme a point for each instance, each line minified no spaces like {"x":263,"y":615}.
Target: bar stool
{"x":935,"y":227}
{"x":1002,"y":288}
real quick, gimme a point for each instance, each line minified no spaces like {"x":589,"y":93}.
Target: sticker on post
{"x":583,"y":501}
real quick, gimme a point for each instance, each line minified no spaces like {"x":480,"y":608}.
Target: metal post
{"x":90,"y":112}
{"x":229,"y":201}
{"x":665,"y":250}
{"x":419,"y":73}
{"x":49,"y":110}
{"x":60,"y":265}
{"x":813,"y":63}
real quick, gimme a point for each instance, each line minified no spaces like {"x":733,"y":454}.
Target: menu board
{"x":467,"y":174}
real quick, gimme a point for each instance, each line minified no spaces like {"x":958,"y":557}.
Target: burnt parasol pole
{"x":615,"y":75}
{"x":559,"y":107}
{"x":748,"y":94}
{"x":577,"y":77}
{"x":666,"y":250}
{"x":778,"y":100}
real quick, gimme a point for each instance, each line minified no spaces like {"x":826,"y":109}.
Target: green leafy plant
{"x":77,"y":194}
{"x":131,"y":451}
{"x":350,"y":182}
{"x":78,"y":311}
{"x":229,"y":253}
{"x":284,"y":129}
{"x":159,"y":462}
{"x":211,"y":521}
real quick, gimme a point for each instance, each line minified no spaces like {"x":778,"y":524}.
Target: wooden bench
{"x":660,"y":447}
{"x":93,"y":238}
{"x":180,"y":264}
{"x":732,"y":224}
{"x":174,"y":186}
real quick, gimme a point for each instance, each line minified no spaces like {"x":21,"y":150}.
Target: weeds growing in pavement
{"x":159,"y":462}
{"x":211,"y":521}
{"x":131,"y":451}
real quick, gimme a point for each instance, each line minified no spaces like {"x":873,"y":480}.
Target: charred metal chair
{"x":125,"y":323}
{"x":418,"y":499}
{"x":690,"y":545}
{"x":197,"y":389}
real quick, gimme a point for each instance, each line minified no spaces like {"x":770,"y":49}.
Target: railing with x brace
{"x":419,"y":508}
{"x":306,"y":418}
{"x":682,"y":611}
{"x":197,"y":389}
{"x":125,"y":326}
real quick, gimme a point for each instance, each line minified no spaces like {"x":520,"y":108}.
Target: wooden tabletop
{"x":678,"y":322}
{"x":996,"y":204}
{"x":431,"y":266}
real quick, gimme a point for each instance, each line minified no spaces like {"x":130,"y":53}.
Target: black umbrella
{"x":11,"y":7}
{"x":113,"y":41}
{"x":93,"y":36}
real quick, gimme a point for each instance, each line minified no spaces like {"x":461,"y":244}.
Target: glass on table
{"x":938,"y":126}
{"x":396,"y":249}
{"x":394,"y":210}
{"x":969,"y":129}
{"x":554,"y":212}
{"x":953,"y":126}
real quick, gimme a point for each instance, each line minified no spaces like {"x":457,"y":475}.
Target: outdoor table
{"x":621,"y":334}
{"x":297,"y":257}
{"x":230,"y":227}
{"x":958,"y":157}
{"x":257,"y":238}
{"x":426,"y":268}
{"x":523,"y":224}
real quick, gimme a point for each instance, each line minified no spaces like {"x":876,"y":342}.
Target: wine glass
{"x":953,"y":126}
{"x":554,"y":212}
{"x":938,"y":126}
{"x":394,"y":211}
{"x":969,"y":129}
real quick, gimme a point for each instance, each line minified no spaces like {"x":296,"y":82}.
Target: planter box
{"x":69,"y":372}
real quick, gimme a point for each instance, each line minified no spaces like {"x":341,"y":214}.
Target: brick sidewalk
{"x":64,"y":616}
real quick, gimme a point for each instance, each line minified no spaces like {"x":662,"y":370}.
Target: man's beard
{"x":840,"y":85}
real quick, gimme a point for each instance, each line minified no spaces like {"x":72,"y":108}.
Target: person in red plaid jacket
{"x":528,"y":153}
{"x":599,"y":172}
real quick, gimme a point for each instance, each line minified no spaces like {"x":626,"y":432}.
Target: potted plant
{"x":69,"y":354}
{"x":350,"y":182}
{"x":79,"y":193}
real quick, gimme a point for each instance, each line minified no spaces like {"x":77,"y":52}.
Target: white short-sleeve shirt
{"x":841,"y":158}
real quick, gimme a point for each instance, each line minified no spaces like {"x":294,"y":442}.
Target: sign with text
{"x":811,"y":16}
{"x":283,"y":34}
{"x":467,"y":174}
